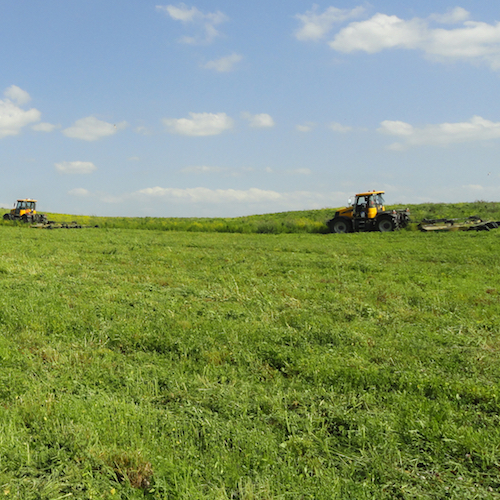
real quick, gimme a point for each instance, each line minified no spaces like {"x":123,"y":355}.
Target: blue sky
{"x":223,"y":108}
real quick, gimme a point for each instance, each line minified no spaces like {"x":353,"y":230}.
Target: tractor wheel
{"x":27,"y":218}
{"x":340,"y":225}
{"x":6,"y":217}
{"x":386,"y":224}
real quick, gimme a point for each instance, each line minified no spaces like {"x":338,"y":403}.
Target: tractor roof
{"x":26,"y":199}
{"x":370,"y":192}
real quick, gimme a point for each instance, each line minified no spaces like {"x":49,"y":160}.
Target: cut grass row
{"x":178,"y":365}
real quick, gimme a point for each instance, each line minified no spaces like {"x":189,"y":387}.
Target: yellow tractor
{"x":368,"y":213}
{"x":25,"y":210}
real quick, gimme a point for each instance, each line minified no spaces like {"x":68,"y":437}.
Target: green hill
{"x":306,"y":221}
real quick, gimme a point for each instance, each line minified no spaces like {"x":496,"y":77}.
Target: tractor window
{"x":357,"y":205}
{"x":30,"y":205}
{"x":379,"y":200}
{"x":360,"y":206}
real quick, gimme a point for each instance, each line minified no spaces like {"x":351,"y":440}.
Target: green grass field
{"x":204,"y":365}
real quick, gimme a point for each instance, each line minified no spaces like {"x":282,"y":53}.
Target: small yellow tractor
{"x":367,"y":213}
{"x":25,"y":210}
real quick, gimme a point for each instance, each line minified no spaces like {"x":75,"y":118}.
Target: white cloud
{"x":200,"y":124}
{"x":17,"y":95}
{"x":142,"y":130}
{"x":396,"y":128}
{"x":202,"y":169}
{"x":338,"y":127}
{"x":206,"y":195}
{"x":216,"y":202}
{"x":44,"y":127}
{"x":12,"y":117}
{"x":212,"y":170}
{"x":293,"y":200}
{"x":75,"y":167}
{"x":316,"y":26}
{"x":224,"y":64}
{"x":476,"y":129}
{"x":262,"y":120}
{"x":231,"y":201}
{"x":305,"y":127}
{"x":181,"y":13}
{"x":212,"y":202}
{"x":204,"y":23}
{"x":91,"y":129}
{"x":380,"y":32}
{"x":452,"y":16}
{"x":79,"y":192}
{"x":472,"y":41}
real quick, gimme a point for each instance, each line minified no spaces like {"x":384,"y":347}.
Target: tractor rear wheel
{"x":340,"y":225}
{"x":386,"y":224}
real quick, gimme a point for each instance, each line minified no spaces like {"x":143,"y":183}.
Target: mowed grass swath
{"x":154,"y":364}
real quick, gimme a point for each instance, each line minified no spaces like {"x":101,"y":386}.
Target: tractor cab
{"x":368,"y":205}
{"x":25,"y":206}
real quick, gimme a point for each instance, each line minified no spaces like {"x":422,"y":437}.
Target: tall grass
{"x":153,"y":364}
